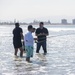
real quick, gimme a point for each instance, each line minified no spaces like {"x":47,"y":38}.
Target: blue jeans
{"x":43,"y":44}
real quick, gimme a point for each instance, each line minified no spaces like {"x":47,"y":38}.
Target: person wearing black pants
{"x":41,"y":34}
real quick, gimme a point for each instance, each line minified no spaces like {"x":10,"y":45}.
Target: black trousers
{"x":43,"y":44}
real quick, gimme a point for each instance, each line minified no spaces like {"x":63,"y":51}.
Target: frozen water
{"x":60,"y":59}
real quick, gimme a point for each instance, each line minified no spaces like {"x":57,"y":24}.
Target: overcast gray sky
{"x":42,"y":9}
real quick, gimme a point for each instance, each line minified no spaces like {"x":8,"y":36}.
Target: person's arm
{"x":35,"y":38}
{"x":28,"y":39}
{"x":46,"y":33}
{"x":21,"y":33}
{"x":22,"y":37}
{"x":37,"y":33}
{"x":13,"y":32}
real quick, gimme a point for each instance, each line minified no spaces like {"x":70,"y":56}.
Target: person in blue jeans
{"x":41,"y":34}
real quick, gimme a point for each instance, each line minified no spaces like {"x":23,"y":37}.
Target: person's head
{"x":41,"y":24}
{"x":33,"y":30}
{"x":30,"y":28}
{"x":17,"y":24}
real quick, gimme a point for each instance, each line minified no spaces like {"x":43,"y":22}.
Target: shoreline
{"x":44,"y":24}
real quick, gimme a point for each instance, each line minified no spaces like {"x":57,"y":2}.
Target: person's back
{"x":16,"y":32}
{"x":28,"y":39}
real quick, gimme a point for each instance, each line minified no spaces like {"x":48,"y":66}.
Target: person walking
{"x":41,"y":34}
{"x":17,"y":36}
